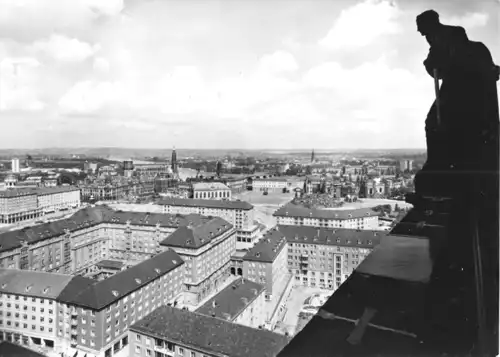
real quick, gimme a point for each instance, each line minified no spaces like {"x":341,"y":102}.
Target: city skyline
{"x":221,"y":74}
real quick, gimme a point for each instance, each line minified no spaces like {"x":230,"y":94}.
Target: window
{"x":137,"y":349}
{"x":138,"y":337}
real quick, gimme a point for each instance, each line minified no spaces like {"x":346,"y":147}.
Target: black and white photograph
{"x":249,"y":178}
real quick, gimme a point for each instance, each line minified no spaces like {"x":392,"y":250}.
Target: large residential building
{"x":76,"y":244}
{"x":363,"y":218}
{"x":266,"y":263}
{"x":211,"y":191}
{"x":207,"y":250}
{"x":242,"y":302}
{"x":152,"y":170}
{"x":17,"y":205}
{"x":239,"y":213}
{"x":169,"y":331}
{"x":325,"y":257}
{"x":68,"y":314}
{"x":104,"y":191}
{"x":15,"y":166}
{"x":271,"y":184}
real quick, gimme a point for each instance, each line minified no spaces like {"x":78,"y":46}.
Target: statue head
{"x":428,"y":23}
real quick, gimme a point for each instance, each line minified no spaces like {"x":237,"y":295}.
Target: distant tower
{"x":15,"y":165}
{"x":312,"y":156}
{"x":175,"y":170}
{"x":218,"y":168}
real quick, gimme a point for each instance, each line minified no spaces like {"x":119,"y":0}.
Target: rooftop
{"x":189,"y":202}
{"x":209,"y":186}
{"x":105,"y":292}
{"x":291,"y":210}
{"x":90,"y":217}
{"x":198,"y":235}
{"x":110,"y":264}
{"x":332,"y":236}
{"x":33,"y":283}
{"x":232,"y":300}
{"x":209,"y":335}
{"x":267,"y":248}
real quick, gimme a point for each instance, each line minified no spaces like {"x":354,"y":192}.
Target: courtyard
{"x":301,"y":297}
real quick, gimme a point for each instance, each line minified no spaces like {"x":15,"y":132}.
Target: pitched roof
{"x":8,"y":349}
{"x":197,"y":236}
{"x":209,"y":335}
{"x":93,"y":216}
{"x":33,"y":283}
{"x":291,"y":210}
{"x":189,"y":202}
{"x":105,"y":292}
{"x":267,"y":248}
{"x":232,"y":300}
{"x":111,"y":264}
{"x":332,"y":236}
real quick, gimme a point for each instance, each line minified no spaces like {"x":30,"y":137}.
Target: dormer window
{"x":174,"y":261}
{"x":28,"y":288}
{"x":157,"y":271}
{"x":138,"y":281}
{"x":370,"y":242}
{"x":46,"y":290}
{"x":338,"y":240}
{"x":115,"y":293}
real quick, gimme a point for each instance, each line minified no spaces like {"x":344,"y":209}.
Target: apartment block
{"x":18,"y":205}
{"x":168,"y":331}
{"x":326,"y":257}
{"x":76,"y":244}
{"x":239,"y":213}
{"x":207,"y":251}
{"x":266,"y":262}
{"x":363,"y":218}
{"x":28,"y":308}
{"x":242,"y":302}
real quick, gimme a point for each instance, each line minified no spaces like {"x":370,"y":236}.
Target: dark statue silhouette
{"x":464,"y":143}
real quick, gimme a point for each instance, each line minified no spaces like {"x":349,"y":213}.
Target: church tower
{"x":175,"y":169}
{"x":312,"y":156}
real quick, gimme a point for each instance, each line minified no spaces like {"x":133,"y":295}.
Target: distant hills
{"x":125,"y":153}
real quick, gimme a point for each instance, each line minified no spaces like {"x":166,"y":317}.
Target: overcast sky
{"x":221,"y":74}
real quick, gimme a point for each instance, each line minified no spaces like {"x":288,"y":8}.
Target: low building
{"x":362,"y":218}
{"x":211,"y":191}
{"x":240,"y":214}
{"x":173,"y":332}
{"x":207,"y":251}
{"x":242,"y":302}
{"x":104,"y":191}
{"x":271,"y":184}
{"x":52,"y":199}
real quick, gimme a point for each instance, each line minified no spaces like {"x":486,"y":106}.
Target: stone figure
{"x":468,"y":108}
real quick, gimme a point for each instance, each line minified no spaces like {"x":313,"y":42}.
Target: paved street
{"x":295,"y":303}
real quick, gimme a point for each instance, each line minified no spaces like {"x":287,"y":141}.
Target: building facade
{"x":363,"y":218}
{"x":270,"y":184}
{"x":242,"y":302}
{"x":239,"y":213}
{"x":266,"y":263}
{"x":326,"y":257}
{"x":211,"y":191}
{"x":18,"y":205}
{"x":153,"y":337}
{"x":207,"y":251}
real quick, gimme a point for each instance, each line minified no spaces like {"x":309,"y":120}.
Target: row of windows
{"x":161,"y":344}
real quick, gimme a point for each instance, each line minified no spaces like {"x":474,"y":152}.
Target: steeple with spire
{"x":175,"y":169}
{"x":312,"y":156}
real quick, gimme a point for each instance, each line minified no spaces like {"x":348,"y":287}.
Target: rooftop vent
{"x":46,"y":290}
{"x":115,"y":293}
{"x":138,"y":281}
{"x":28,"y":288}
{"x":257,"y":254}
{"x":174,"y":261}
{"x":157,"y":271}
